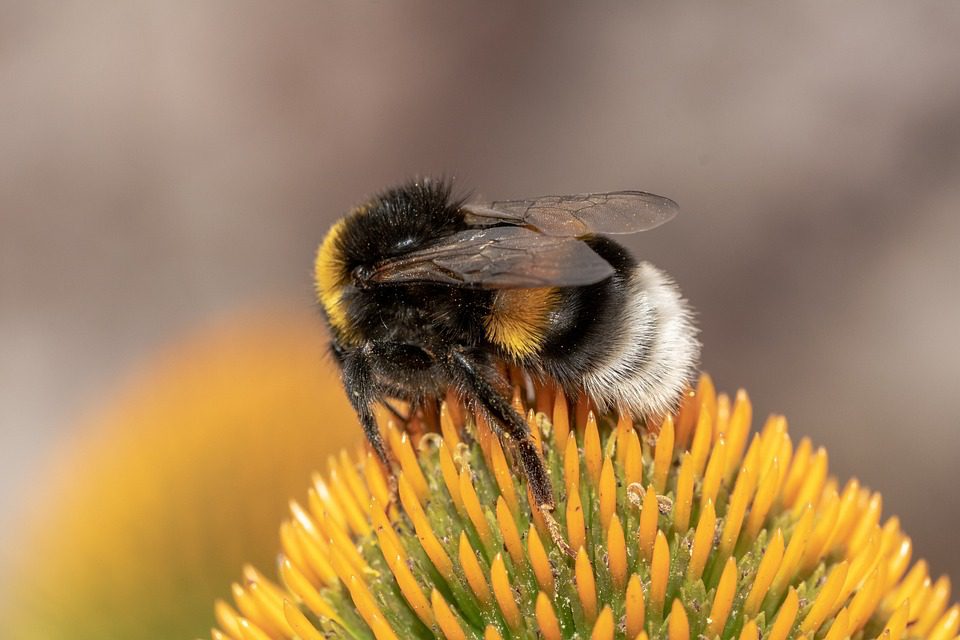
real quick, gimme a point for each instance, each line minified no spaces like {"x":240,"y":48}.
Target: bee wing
{"x":578,"y":215}
{"x":498,"y":258}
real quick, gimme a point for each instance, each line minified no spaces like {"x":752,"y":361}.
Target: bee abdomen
{"x":519,"y":319}
{"x":650,"y":360}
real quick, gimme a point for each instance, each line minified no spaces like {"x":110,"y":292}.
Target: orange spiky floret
{"x":701,"y":531}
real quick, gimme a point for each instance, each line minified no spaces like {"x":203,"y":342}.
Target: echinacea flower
{"x":148,"y":508}
{"x":703,"y":530}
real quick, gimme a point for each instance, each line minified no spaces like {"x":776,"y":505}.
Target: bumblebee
{"x":424,"y":293}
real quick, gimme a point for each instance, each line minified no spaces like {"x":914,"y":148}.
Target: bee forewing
{"x":578,"y":215}
{"x":501,"y":257}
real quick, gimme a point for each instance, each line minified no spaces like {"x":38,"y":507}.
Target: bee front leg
{"x":477,"y":385}
{"x":364,"y":392}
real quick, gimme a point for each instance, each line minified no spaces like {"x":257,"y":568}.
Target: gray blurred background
{"x":162,"y":163}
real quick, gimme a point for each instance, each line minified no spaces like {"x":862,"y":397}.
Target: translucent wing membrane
{"x":578,"y":215}
{"x":498,"y":257}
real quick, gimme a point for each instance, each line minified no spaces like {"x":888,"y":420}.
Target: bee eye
{"x":413,"y":352}
{"x":405,"y":356}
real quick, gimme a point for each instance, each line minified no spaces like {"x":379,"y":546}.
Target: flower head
{"x":143,"y":515}
{"x":701,"y":530}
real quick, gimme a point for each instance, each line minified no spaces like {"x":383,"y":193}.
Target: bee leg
{"x":372,"y":432}
{"x":556,"y":531}
{"x":479,"y":388}
{"x":363,"y":393}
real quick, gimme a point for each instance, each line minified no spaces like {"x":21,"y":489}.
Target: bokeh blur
{"x":166,"y":163}
{"x":148,"y":508}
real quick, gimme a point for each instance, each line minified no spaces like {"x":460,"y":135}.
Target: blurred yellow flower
{"x":703,"y":531}
{"x":149,"y":508}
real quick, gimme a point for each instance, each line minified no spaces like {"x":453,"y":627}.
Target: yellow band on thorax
{"x":330,"y":276}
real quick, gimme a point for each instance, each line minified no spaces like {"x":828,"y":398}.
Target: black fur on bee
{"x":424,"y":292}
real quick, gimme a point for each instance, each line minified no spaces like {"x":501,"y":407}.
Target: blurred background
{"x":165,"y":165}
